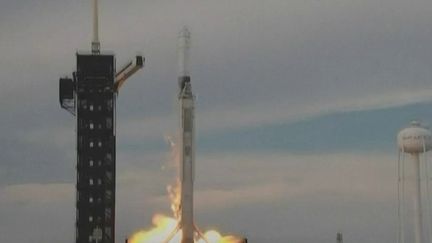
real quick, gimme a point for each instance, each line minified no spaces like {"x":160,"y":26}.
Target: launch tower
{"x":91,"y":97}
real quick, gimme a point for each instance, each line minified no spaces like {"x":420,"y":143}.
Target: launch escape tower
{"x":91,"y":96}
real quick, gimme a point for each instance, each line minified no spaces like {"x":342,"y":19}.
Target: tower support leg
{"x":418,"y":202}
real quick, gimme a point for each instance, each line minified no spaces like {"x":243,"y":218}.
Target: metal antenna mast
{"x":95,"y":45}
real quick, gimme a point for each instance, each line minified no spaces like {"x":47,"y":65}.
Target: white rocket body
{"x":187,"y":140}
{"x":186,"y":99}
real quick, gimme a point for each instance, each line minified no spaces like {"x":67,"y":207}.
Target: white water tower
{"x":413,"y":142}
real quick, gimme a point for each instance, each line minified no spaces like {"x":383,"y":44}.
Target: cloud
{"x":290,"y":194}
{"x":264,"y":114}
{"x":260,"y":63}
{"x":256,"y":54}
{"x":37,"y":155}
{"x":37,"y":194}
{"x":287,"y":195}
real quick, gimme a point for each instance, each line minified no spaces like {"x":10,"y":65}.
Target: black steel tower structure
{"x":91,"y":96}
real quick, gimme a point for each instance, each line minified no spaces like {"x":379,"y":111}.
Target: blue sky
{"x":371,"y":130}
{"x":366,"y":130}
{"x":298,"y":106}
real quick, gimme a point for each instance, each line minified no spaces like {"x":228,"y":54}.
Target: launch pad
{"x":90,"y":95}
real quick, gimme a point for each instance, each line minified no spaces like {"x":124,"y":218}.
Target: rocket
{"x":186,"y":102}
{"x":187,"y":137}
{"x":190,"y":233}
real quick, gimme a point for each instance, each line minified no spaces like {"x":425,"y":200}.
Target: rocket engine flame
{"x":181,"y":227}
{"x":164,"y":226}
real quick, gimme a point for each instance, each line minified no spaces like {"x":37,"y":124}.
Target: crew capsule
{"x":183,"y":53}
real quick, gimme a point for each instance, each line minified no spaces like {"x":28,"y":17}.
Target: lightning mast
{"x":90,"y":95}
{"x":95,"y":47}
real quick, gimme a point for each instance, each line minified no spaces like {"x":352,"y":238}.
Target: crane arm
{"x":126,"y":72}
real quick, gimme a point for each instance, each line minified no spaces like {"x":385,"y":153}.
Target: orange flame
{"x":164,"y":226}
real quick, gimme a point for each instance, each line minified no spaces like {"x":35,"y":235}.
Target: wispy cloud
{"x":37,"y":194}
{"x":277,"y":188}
{"x":268,"y":113}
{"x":264,"y":62}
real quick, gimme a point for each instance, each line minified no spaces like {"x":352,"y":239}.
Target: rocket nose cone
{"x":183,"y":52}
{"x":184,"y":32}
